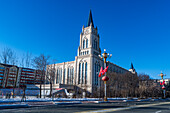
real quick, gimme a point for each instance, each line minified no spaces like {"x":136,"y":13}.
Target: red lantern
{"x":105,"y":78}
{"x":163,"y":87}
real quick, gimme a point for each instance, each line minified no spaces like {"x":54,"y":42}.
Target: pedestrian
{"x":6,"y":95}
{"x":9,"y":95}
{"x":12,"y":94}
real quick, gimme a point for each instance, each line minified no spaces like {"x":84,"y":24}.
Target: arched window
{"x":86,"y":73}
{"x":60,"y":75}
{"x":64,"y":76}
{"x":83,"y":44}
{"x":96,"y":70}
{"x":95,"y":44}
{"x":97,"y":74}
{"x":87,"y":43}
{"x":72,"y":75}
{"x":79,"y":78}
{"x":68,"y":72}
{"x":83,"y":73}
{"x":69,"y":76}
{"x":57,"y":76}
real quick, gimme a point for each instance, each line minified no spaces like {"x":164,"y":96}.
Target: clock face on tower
{"x":86,"y":31}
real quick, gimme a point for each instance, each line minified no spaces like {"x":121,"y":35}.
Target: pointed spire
{"x":90,"y":20}
{"x":131,"y":66}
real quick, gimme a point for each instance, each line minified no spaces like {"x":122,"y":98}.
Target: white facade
{"x":83,"y":72}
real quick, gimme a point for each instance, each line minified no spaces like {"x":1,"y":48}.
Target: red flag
{"x":101,"y":72}
{"x":163,"y":82}
{"x":105,"y":70}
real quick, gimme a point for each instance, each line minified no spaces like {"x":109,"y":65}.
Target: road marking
{"x":158,"y":111}
{"x":125,"y":108}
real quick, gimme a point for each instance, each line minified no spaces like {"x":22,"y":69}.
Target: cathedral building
{"x":83,"y":71}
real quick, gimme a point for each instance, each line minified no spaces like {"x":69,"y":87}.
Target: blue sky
{"x":135,"y":31}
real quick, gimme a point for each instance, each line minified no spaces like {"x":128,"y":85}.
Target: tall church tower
{"x":89,"y":39}
{"x":88,"y":62}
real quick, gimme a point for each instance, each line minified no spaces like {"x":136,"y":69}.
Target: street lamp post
{"x":105,"y":56}
{"x":163,"y":84}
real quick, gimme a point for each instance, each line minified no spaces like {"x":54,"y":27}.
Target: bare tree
{"x":8,"y":56}
{"x":28,"y":59}
{"x":40,"y":63}
{"x":143,"y":77}
{"x":51,"y":71}
{"x":14,"y":60}
{"x":122,"y":85}
{"x":50,"y":77}
{"x":22,"y":61}
{"x":148,"y":87}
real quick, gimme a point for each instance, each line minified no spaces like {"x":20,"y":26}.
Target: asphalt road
{"x":117,"y":107}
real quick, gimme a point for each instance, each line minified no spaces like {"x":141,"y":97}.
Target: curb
{"x":67,"y":103}
{"x":12,"y":106}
